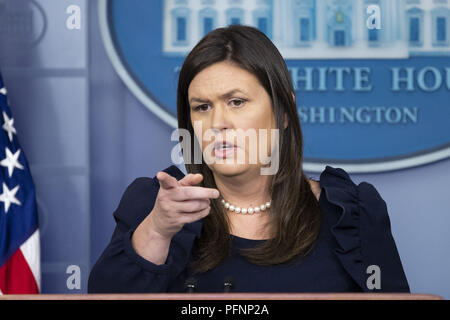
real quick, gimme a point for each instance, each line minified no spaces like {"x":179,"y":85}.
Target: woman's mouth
{"x":224,"y":149}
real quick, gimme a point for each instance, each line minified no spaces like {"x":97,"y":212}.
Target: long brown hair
{"x":296,"y":219}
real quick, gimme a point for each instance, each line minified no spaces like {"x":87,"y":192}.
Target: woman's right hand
{"x":178,"y":203}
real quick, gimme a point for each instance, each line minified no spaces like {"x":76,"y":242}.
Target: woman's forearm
{"x":149,"y":244}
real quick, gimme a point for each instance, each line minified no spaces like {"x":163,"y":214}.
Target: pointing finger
{"x":192,"y":192}
{"x":191,"y":179}
{"x":166,"y":181}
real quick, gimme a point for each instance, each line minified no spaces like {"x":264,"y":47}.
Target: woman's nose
{"x":220,"y":118}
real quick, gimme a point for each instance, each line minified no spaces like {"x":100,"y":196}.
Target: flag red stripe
{"x":16,"y":276}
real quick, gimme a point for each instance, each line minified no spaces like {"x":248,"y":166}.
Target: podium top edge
{"x":225,"y":296}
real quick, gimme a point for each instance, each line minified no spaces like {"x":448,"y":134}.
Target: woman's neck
{"x":244,"y":190}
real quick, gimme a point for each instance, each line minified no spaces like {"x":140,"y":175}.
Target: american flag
{"x":19,"y":231}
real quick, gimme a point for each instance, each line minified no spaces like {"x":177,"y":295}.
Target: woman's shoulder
{"x":339,"y":182}
{"x":338,"y":188}
{"x":358,"y":219}
{"x":337,"y":179}
{"x":346,"y":203}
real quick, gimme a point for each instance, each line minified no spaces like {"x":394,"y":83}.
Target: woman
{"x":227,"y":225}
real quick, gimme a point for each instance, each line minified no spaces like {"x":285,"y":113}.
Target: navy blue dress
{"x":355,"y":234}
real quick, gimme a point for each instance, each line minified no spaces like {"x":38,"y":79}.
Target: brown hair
{"x":296,"y":219}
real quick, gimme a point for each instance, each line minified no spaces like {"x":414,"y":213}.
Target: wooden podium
{"x":227,"y":296}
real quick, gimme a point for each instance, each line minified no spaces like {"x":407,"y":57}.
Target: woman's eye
{"x":237,"y":102}
{"x":201,"y":108}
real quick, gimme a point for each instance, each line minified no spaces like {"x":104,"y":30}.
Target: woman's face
{"x":228,"y":103}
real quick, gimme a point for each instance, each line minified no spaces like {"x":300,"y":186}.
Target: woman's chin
{"x":228,"y":169}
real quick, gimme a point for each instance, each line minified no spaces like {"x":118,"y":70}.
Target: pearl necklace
{"x":250,"y":210}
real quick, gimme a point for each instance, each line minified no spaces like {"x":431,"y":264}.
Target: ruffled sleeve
{"x":359,"y":222}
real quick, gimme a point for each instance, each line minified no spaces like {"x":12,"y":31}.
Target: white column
{"x":426,"y":28}
{"x":320,"y":20}
{"x":167,"y":27}
{"x":277,"y":34}
{"x":248,"y":13}
{"x":194,"y":23}
{"x":288,"y":23}
{"x":221,"y":8}
{"x":358,"y":24}
{"x":391,"y":10}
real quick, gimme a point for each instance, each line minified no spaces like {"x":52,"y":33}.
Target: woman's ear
{"x":293,"y":96}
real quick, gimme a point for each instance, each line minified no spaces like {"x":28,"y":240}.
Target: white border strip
{"x":122,"y":71}
{"x":381,"y":166}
